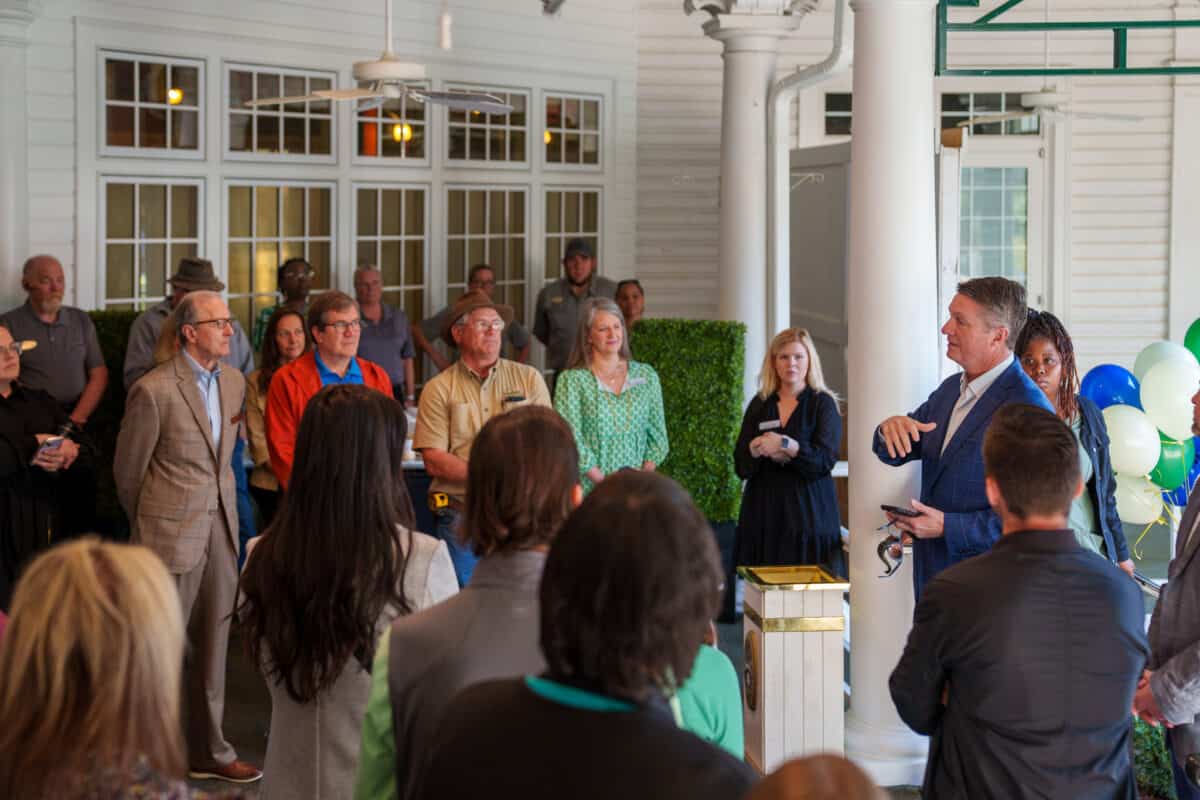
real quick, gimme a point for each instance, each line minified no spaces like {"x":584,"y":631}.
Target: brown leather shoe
{"x":234,"y":772}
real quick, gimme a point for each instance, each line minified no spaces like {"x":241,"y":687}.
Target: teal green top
{"x":613,"y":430}
{"x":1082,"y":516}
{"x":709,"y":704}
{"x":260,"y":327}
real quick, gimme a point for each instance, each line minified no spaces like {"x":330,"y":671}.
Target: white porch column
{"x":15,"y":18}
{"x":751,"y":40}
{"x":893,"y":354}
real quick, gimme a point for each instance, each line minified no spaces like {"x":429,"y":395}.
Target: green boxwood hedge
{"x":700,"y":365}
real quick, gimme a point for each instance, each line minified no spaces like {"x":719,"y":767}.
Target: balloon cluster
{"x":1148,"y":413}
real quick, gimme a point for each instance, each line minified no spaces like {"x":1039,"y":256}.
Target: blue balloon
{"x":1179,"y":495}
{"x":1110,"y":385}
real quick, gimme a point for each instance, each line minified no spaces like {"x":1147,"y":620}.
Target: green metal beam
{"x":1015,"y":27}
{"x":997,"y":11}
{"x":1068,"y":71}
{"x":1120,"y":48}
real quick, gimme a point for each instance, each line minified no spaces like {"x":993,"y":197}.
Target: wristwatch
{"x":785,"y":442}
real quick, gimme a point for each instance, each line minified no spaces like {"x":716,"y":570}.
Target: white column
{"x":751,"y":44}
{"x":15,"y":18}
{"x":1183,"y":294}
{"x":893,"y":354}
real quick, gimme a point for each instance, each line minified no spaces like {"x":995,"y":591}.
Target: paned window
{"x":960,"y":106}
{"x":572,"y":134}
{"x":289,"y":131}
{"x":152,"y":106}
{"x":487,"y":226}
{"x":837,"y":113}
{"x":570,"y":214}
{"x":994,"y":221}
{"x":395,"y":130}
{"x":474,"y":136}
{"x":148,"y":226}
{"x":268,"y":223}
{"x":390,"y":233}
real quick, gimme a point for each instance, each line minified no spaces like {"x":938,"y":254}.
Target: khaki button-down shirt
{"x":457,"y":403}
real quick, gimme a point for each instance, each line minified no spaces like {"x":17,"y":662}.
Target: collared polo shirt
{"x":457,"y":402}
{"x":387,"y":343}
{"x":330,"y":378}
{"x":556,"y":319}
{"x":67,"y":350}
{"x":209,"y":384}
{"x":969,"y":394}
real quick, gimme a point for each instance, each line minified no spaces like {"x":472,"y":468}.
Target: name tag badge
{"x":555,"y":300}
{"x":636,"y":382}
{"x":769,"y":425}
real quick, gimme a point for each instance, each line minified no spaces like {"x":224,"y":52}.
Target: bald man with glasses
{"x":336,"y":325}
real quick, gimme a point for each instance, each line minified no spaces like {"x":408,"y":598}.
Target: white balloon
{"x":1133,"y":442}
{"x":1139,"y":502}
{"x":1154,"y":354}
{"x":1167,"y":393}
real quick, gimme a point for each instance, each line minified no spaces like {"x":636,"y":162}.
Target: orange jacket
{"x":291,"y":389}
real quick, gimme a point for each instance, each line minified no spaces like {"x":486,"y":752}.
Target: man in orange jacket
{"x":334,"y":323}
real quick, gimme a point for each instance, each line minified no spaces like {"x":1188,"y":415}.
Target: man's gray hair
{"x":367,"y":268}
{"x":1003,"y":302}
{"x":186,"y":312}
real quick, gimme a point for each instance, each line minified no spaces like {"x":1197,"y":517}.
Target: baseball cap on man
{"x":578,"y":247}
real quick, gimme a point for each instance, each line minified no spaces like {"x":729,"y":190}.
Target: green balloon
{"x":1191,"y":339}
{"x":1174,"y":462}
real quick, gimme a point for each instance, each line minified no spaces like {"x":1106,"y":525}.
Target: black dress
{"x":790,"y":511}
{"x":28,"y":507}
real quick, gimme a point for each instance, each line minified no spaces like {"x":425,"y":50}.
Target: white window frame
{"x":501,"y":282}
{"x":102,"y":103}
{"x":600,"y":132}
{"x":227,"y":154}
{"x":403,"y":238}
{"x":566,"y":236}
{"x":487,"y":163}
{"x":104,"y":241}
{"x":279,"y":238}
{"x":430,"y":123}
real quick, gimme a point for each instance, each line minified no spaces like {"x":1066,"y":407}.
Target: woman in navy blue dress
{"x":786,"y":452}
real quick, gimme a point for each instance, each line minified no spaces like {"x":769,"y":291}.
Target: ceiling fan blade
{"x":371,"y":105}
{"x":992,"y":118}
{"x":347,"y":94}
{"x":275,"y":101}
{"x":464,"y":101}
{"x":1103,"y":115}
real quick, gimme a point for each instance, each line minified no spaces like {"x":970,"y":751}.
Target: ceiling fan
{"x":388,"y":78}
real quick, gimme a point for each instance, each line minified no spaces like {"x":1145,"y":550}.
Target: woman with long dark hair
{"x":340,"y":562}
{"x":1048,"y":358}
{"x":285,"y":340}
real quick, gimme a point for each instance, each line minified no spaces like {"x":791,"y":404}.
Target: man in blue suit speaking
{"x":946,"y":432}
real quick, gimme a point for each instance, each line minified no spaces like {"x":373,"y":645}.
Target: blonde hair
{"x":581,"y":353}
{"x":821,"y":777}
{"x":90,"y":671}
{"x":768,"y":379}
{"x":167,"y":345}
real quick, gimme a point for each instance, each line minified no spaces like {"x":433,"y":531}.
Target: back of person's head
{"x":521,"y":480}
{"x":89,"y":672}
{"x":821,"y":777}
{"x":1003,"y":302}
{"x":630,"y":586}
{"x":335,"y":553}
{"x":1032,"y":458}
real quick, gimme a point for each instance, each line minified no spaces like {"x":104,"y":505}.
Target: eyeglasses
{"x":14,"y":348}
{"x":484,"y":325}
{"x":344,"y":325}
{"x":300,"y":274}
{"x":219,"y":324}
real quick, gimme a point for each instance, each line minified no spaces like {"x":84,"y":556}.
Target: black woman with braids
{"x":1048,"y":358}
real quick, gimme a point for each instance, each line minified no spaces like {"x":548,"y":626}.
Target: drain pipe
{"x":779,"y":284}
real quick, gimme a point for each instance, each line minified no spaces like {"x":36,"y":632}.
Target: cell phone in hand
{"x":51,"y":444}
{"x":900,"y":511}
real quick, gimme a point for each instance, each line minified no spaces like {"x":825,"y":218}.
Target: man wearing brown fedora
{"x":192,"y":274}
{"x":458,"y":401}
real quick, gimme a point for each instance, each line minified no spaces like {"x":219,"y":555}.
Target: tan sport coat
{"x":169,"y":477}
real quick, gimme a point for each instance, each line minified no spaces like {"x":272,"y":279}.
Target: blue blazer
{"x":952,"y":482}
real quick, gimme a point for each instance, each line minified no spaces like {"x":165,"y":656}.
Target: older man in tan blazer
{"x":175,"y":481}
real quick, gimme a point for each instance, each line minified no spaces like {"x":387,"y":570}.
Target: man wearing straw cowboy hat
{"x":192,"y":274}
{"x":457,"y":402}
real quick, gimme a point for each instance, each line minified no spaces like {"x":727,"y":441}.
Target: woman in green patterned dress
{"x":612,"y":403}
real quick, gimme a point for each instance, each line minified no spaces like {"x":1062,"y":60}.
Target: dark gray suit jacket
{"x":488,"y":630}
{"x":1041,"y":645}
{"x":1175,"y":638}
